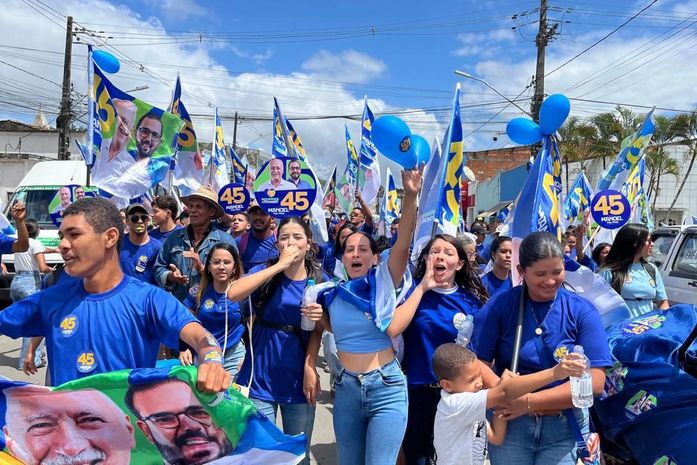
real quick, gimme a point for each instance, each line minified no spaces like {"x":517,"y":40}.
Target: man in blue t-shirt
{"x":164,"y":211}
{"x":106,"y":321}
{"x":138,"y":249}
{"x":9,"y":244}
{"x":362,"y":217}
{"x":258,"y":244}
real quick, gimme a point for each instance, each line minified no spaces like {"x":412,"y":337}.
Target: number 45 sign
{"x":610,"y":209}
{"x":234,"y":198}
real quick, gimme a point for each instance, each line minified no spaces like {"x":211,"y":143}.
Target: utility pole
{"x":544,"y":34}
{"x":234,"y":134}
{"x":63,"y":120}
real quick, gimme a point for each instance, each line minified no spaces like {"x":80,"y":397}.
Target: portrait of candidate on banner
{"x":147,"y":416}
{"x":64,"y":197}
{"x":138,"y":141}
{"x":285,"y":187}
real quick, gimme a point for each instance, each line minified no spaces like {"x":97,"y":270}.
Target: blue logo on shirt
{"x":68,"y":326}
{"x":86,"y":362}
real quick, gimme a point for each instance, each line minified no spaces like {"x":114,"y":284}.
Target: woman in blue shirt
{"x":280,"y":366}
{"x":370,"y":408}
{"x":635,"y":279}
{"x":499,"y":278}
{"x":447,"y":289}
{"x":218,"y":314}
{"x":554,"y":320}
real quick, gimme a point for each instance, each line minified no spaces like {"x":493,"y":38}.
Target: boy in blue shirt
{"x":106,"y":321}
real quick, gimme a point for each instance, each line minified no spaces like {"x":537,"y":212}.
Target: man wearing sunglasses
{"x":139,"y":250}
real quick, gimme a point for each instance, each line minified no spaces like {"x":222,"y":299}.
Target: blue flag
{"x":188,"y":166}
{"x":577,"y":202}
{"x":448,"y":210}
{"x":239,"y":166}
{"x":369,"y":174}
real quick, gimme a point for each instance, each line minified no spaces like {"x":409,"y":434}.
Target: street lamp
{"x":469,"y":76}
{"x":137,"y":89}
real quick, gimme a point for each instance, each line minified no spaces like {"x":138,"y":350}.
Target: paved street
{"x":323,"y":445}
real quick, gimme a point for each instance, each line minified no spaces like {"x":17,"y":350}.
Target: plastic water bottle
{"x":309,"y":297}
{"x":465,"y":326}
{"x":582,"y":386}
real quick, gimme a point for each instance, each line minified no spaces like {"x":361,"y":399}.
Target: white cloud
{"x":349,"y":65}
{"x":484,"y":44}
{"x":180,"y":9}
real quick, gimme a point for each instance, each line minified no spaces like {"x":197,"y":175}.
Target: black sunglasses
{"x":136,"y":218}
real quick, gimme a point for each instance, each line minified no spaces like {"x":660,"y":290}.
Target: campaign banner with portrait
{"x":144,"y":417}
{"x":64,"y":197}
{"x":136,"y":143}
{"x":285,"y":187}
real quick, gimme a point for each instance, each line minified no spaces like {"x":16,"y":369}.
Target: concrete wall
{"x":44,"y":143}
{"x":11,"y":173}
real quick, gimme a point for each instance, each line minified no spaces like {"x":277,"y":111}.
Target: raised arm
{"x":244,"y":286}
{"x":19,"y":213}
{"x":367,"y":213}
{"x":399,"y":255}
{"x":212,"y":377}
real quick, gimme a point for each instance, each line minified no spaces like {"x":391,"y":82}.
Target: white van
{"x":675,"y":255}
{"x":40,"y":191}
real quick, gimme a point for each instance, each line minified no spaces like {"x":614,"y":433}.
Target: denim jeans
{"x":418,"y":440}
{"x":296,"y":418}
{"x":233,"y":359}
{"x":370,"y":415}
{"x":24,"y":284}
{"x":330,"y":356}
{"x":539,"y":440}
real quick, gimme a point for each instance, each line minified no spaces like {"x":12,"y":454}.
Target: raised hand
{"x":176,"y":276}
{"x":19,"y":212}
{"x":195,"y":259}
{"x":411,"y":181}
{"x":289,"y":255}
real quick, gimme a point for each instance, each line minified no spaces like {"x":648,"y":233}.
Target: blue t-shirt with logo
{"x":640,"y":291}
{"x":279,"y":355}
{"x":256,"y":251}
{"x":431,"y":327}
{"x":566,"y":321}
{"x":88,"y":334}
{"x":139,"y":260}
{"x":161,"y":236}
{"x":495,"y":285}
{"x":211,"y":314}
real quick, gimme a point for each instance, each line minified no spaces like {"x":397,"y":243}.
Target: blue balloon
{"x":420,"y":151}
{"x":523,"y":131}
{"x":393,"y":139}
{"x":553,"y":113}
{"x":106,"y":61}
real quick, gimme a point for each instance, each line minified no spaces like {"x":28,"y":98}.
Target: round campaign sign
{"x":610,"y":209}
{"x":285,"y":187}
{"x":64,"y":197}
{"x":234,"y":198}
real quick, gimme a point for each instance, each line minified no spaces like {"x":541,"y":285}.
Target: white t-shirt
{"x":459,"y":418}
{"x":26,"y":261}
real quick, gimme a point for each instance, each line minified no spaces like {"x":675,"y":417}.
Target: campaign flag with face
{"x":448,"y":211}
{"x":188,"y":164}
{"x":369,"y":173}
{"x":630,"y":152}
{"x":577,"y":203}
{"x":143,"y":416}
{"x":329,"y":196}
{"x":136,"y":141}
{"x":346,"y":187}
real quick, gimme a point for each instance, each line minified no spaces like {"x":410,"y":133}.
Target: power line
{"x":602,"y":39}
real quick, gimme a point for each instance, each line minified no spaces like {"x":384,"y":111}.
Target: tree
{"x":690,"y":127}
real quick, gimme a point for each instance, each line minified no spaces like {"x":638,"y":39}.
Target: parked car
{"x":675,"y":255}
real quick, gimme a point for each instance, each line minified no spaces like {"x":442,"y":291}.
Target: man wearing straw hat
{"x":180,"y":262}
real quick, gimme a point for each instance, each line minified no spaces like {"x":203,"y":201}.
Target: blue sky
{"x":321,"y":58}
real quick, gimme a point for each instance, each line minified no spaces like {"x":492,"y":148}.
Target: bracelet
{"x":529,"y":409}
{"x":213,"y":356}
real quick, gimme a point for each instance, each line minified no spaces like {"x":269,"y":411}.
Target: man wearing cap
{"x":257,"y":245}
{"x":139,"y":250}
{"x":177,"y":263}
{"x":480,"y":232}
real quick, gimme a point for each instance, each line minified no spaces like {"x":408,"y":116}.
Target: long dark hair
{"x":337,"y":243}
{"x":207,"y":276}
{"x":466,"y":277}
{"x":597,"y":250}
{"x":629,"y":241}
{"x":313,"y":270}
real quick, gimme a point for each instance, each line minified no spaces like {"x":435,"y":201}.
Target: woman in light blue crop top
{"x":370,"y":408}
